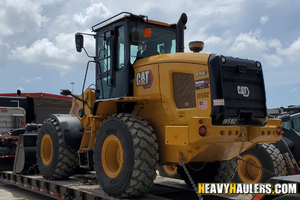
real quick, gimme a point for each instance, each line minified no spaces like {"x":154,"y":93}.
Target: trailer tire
{"x":55,"y":160}
{"x":125,"y":155}
{"x":264,"y":155}
{"x":169,"y":171}
{"x":210,"y":172}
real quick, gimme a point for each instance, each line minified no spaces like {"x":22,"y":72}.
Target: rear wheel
{"x":169,"y":171}
{"x":125,"y":156}
{"x":55,"y":160}
{"x":210,"y":172}
{"x":266,"y":156}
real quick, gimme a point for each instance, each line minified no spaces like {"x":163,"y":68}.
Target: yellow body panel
{"x":177,"y":129}
{"x":147,"y":81}
{"x":177,"y":135}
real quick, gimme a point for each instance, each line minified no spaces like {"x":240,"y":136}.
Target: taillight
{"x":202,"y":131}
{"x":278,"y":131}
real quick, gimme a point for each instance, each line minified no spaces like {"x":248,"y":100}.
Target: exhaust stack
{"x":180,"y":32}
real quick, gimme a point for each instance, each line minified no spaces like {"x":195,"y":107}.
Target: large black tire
{"x":169,"y":171}
{"x":210,"y":172}
{"x":125,"y":156}
{"x":264,"y":155}
{"x":55,"y":160}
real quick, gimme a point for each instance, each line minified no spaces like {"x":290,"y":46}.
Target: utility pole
{"x":72,"y":87}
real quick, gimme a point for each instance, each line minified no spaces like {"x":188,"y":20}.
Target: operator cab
{"x":120,"y":41}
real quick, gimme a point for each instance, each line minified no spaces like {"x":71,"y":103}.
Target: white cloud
{"x":26,"y":80}
{"x":264,"y":19}
{"x":95,"y":10}
{"x":249,"y":45}
{"x":218,"y":7}
{"x":213,"y":40}
{"x":272,"y":3}
{"x":46,"y":53}
{"x":274,"y":43}
{"x":294,"y":90}
{"x":62,"y":21}
{"x":59,"y":54}
{"x":62,"y":73}
{"x":17,"y":16}
{"x":30,"y":80}
{"x":273,"y":59}
{"x":292,"y":52}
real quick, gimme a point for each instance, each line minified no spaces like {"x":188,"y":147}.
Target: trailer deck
{"x":85,"y":187}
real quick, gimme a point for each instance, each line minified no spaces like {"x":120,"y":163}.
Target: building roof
{"x":45,"y":99}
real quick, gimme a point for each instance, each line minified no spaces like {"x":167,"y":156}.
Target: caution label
{"x":247,"y":188}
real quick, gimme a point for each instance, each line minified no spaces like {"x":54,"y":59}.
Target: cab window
{"x":162,"y":41}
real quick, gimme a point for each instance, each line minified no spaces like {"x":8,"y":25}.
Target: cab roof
{"x":126,"y":15}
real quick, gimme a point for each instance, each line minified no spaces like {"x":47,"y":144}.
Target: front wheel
{"x":125,"y":156}
{"x":55,"y":160}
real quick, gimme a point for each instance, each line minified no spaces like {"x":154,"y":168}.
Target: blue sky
{"x":37,"y":50}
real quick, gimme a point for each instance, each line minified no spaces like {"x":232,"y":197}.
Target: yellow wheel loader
{"x":155,"y":105}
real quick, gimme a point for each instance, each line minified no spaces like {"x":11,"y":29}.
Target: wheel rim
{"x":112,"y":156}
{"x":170,"y":169}
{"x":196,"y":166}
{"x":247,"y":172}
{"x":46,"y":149}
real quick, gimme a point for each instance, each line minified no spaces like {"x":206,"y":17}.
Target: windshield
{"x":162,"y":41}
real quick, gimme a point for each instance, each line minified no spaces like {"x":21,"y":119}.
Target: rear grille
{"x":184,"y":90}
{"x":235,"y":102}
{"x":239,"y":83}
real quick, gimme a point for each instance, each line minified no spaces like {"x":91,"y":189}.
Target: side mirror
{"x":79,"y":42}
{"x":65,"y":92}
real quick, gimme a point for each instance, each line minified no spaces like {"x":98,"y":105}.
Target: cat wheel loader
{"x":153,"y":104}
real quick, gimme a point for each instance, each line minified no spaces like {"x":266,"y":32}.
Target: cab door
{"x":103,"y":68}
{"x":112,"y":71}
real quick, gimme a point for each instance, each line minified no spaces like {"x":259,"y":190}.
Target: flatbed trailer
{"x":85,"y":187}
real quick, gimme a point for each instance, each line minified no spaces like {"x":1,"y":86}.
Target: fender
{"x":71,"y":129}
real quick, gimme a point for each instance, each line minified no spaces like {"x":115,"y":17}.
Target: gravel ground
{"x":10,"y":192}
